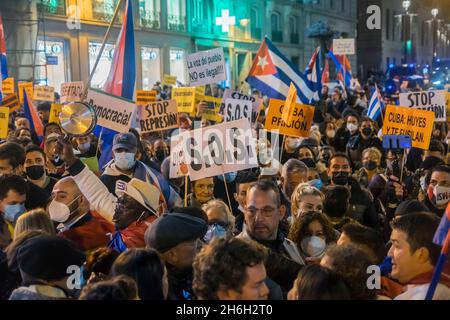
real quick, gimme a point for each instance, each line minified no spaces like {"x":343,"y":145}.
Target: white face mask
{"x":60,"y":212}
{"x":442,"y":195}
{"x":293,"y":143}
{"x":352,"y":127}
{"x":313,"y":246}
{"x":124,"y":160}
{"x":84,"y":147}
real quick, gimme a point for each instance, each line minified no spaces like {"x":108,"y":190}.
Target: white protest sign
{"x":214,"y":150}
{"x":44,"y":93}
{"x":205,"y":67}
{"x":344,"y":46}
{"x":235,"y":109}
{"x":71,"y":91}
{"x":115,"y":113}
{"x":160,"y":115}
{"x":256,"y":102}
{"x":178,"y":166}
{"x":426,"y":100}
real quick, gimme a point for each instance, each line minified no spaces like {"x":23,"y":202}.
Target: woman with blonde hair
{"x":305,"y":199}
{"x":36,"y":219}
{"x":221,"y":221}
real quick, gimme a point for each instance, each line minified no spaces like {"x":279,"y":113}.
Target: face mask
{"x":13,"y":212}
{"x":340,"y":178}
{"x":159,"y":155}
{"x":229,"y":177}
{"x":293,"y":143}
{"x":367,"y":132}
{"x":35,"y":172}
{"x":124,"y":160}
{"x":313,"y":246}
{"x":331,"y":133}
{"x":214,"y":230}
{"x":352,"y":127}
{"x":84,"y":147}
{"x":310,"y":163}
{"x":316,"y":183}
{"x":441,"y":195}
{"x":370,"y":165}
{"x":60,"y":212}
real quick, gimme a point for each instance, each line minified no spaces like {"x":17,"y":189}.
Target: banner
{"x":299,"y":123}
{"x":11,"y":102}
{"x":178,"y":167}
{"x":237,"y":109}
{"x":426,"y":100}
{"x":4,"y":118}
{"x":44,"y":93}
{"x":418,"y":124}
{"x":144,"y":97}
{"x":218,"y":149}
{"x":71,"y":91}
{"x":28,"y":87}
{"x":205,"y":67}
{"x":185,"y":98}
{"x":55,"y":110}
{"x":169,"y":80}
{"x":157,"y":116}
{"x":112,"y":112}
{"x":8,"y":86}
{"x":344,"y":46}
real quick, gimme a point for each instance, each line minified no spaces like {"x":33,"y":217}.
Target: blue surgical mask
{"x":13,"y":212}
{"x":316,"y":183}
{"x":124,"y":160}
{"x":214,"y":230}
{"x":229,"y":177}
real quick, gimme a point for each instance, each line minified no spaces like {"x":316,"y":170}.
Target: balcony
{"x":149,"y":19}
{"x":104,"y":11}
{"x":277,"y":36}
{"x":176,"y":23}
{"x":255,"y":33}
{"x":294,"y":38}
{"x":52,"y":7}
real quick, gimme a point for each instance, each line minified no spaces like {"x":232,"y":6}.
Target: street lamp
{"x":406,"y":4}
{"x":434,"y":13}
{"x":407,"y":23}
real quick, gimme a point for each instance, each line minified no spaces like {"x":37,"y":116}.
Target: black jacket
{"x":362,"y":207}
{"x":180,"y":283}
{"x":36,"y":197}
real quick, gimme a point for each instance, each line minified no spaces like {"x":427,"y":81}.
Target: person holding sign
{"x":43,"y":109}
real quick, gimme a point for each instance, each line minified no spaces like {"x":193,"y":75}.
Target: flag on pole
{"x":290,"y":102}
{"x":313,"y":73}
{"x":375,"y":105}
{"x":32,"y":115}
{"x":326,"y":72}
{"x":343,"y":67}
{"x":3,"y":64}
{"x":272,"y":74}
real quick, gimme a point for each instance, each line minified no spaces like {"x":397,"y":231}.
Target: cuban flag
{"x":343,"y":67}
{"x":326,"y":72}
{"x":32,"y":115}
{"x":122,"y":76}
{"x":3,"y":64}
{"x":272,"y":74}
{"x":375,"y":105}
{"x":313,"y":73}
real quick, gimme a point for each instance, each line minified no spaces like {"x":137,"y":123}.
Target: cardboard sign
{"x":113,"y":112}
{"x":211,"y":114}
{"x":170,"y":80}
{"x":426,"y":100}
{"x":418,"y":124}
{"x":11,"y":102}
{"x":299,"y":123}
{"x":218,"y":149}
{"x":161,"y":115}
{"x":178,"y":167}
{"x":237,"y":109}
{"x":71,"y":91}
{"x":400,"y":141}
{"x":185,"y":98}
{"x":144,"y":97}
{"x":256,"y":103}
{"x":55,"y":110}
{"x":44,"y":93}
{"x":4,"y":118}
{"x":344,"y":46}
{"x":205,"y":67}
{"x":28,"y":88}
{"x":289,"y":104}
{"x":8,"y":86}
{"x":200,"y":91}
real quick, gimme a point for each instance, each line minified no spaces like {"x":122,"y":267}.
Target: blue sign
{"x":52,"y":60}
{"x":396,"y":141}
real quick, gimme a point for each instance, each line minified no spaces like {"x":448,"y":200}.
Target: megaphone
{"x":77,"y":118}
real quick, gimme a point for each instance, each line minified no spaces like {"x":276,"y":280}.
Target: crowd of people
{"x":313,"y":224}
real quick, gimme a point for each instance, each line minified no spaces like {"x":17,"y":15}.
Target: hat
{"x":125,"y":140}
{"x":171,"y":229}
{"x":410,"y":206}
{"x":143,"y":192}
{"x":47,"y":257}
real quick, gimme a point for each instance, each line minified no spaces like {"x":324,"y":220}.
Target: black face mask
{"x":310,"y":163}
{"x":160,"y":155}
{"x":35,"y":172}
{"x":340,"y":178}
{"x":367,"y":131}
{"x":370,"y":165}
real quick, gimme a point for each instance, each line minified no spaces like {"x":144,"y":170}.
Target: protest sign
{"x":218,"y":149}
{"x":160,"y":115}
{"x":91,"y":163}
{"x":44,"y":93}
{"x":11,"y":102}
{"x":256,"y":102}
{"x":185,"y":98}
{"x":112,"y":112}
{"x":4,"y":118}
{"x":426,"y":100}
{"x":200,"y":91}
{"x":447,"y":105}
{"x":205,"y":67}
{"x":289,"y":104}
{"x":55,"y":110}
{"x":211,"y":114}
{"x":178,"y":167}
{"x":144,"y":97}
{"x":71,"y":91}
{"x":28,"y":88}
{"x":299,"y":123}
{"x":170,"y":80}
{"x":344,"y":46}
{"x":418,"y":124}
{"x":8,"y":86}
{"x":237,"y":109}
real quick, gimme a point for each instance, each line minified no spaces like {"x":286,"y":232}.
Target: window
{"x":104,"y":65}
{"x":293,"y":29}
{"x":394,"y":22}
{"x":177,"y":64}
{"x":151,"y":66}
{"x":52,"y":75}
{"x":388,"y":20}
{"x":277,"y":35}
{"x":255,"y":27}
{"x":149,"y":13}
{"x":332,"y":4}
{"x":176,"y":15}
{"x":104,"y":9}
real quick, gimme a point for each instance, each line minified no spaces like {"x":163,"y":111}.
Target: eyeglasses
{"x":266,"y":212}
